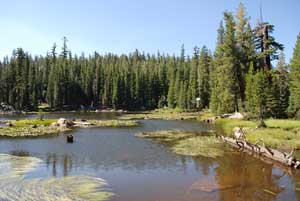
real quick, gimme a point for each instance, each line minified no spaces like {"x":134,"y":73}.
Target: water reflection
{"x":246,"y":178}
{"x":53,"y":162}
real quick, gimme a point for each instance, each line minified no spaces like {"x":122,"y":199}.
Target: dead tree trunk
{"x":286,"y":159}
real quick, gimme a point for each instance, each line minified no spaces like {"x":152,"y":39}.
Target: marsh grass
{"x":207,"y":146}
{"x":166,"y":136}
{"x":31,"y":128}
{"x":27,"y":131}
{"x":281,"y":134}
{"x":16,"y":166}
{"x":13,"y":186}
{"x":188,"y":143}
{"x":113,"y":123}
{"x":167,"y":114}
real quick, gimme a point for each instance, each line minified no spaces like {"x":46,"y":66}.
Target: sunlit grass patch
{"x":286,"y":124}
{"x":227,"y":125}
{"x":28,"y":122}
{"x":280,"y":133}
{"x":276,"y":138}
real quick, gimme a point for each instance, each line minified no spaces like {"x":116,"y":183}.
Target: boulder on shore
{"x":236,"y":115}
{"x":62,"y":122}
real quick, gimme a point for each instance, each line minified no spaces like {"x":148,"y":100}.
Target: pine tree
{"x":226,"y":73}
{"x":204,"y":78}
{"x":193,"y":77}
{"x":245,"y":50}
{"x":250,"y":92}
{"x":33,"y":87}
{"x":260,"y":86}
{"x":64,"y":52}
{"x":172,"y":76}
{"x":283,"y":85}
{"x":294,"y":101}
{"x":217,"y":61}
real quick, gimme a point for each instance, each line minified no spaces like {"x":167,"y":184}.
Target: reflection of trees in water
{"x":296,"y":183}
{"x":52,"y":161}
{"x":241,"y":177}
{"x":203,"y":164}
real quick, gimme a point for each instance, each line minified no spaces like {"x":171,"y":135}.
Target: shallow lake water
{"x":138,"y":169}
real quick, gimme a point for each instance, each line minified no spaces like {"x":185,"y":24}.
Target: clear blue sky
{"x":121,"y":26}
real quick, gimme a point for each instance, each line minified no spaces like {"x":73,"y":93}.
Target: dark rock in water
{"x":83,"y":120}
{"x":70,"y":139}
{"x":34,"y":126}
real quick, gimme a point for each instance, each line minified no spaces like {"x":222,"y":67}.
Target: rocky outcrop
{"x":63,"y":123}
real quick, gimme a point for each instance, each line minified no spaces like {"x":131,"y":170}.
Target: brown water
{"x":139,"y":169}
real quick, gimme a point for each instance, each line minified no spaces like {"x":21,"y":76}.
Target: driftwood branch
{"x":287,"y":159}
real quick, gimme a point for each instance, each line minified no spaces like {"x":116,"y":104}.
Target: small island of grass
{"x":188,"y":143}
{"x":33,"y":128}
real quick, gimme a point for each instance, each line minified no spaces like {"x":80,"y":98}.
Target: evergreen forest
{"x":246,"y":72}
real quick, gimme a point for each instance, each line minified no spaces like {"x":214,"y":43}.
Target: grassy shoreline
{"x":282,"y":134}
{"x":166,"y":114}
{"x":34,"y":128}
{"x":279,"y":133}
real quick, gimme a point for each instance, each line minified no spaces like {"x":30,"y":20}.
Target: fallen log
{"x":264,"y":152}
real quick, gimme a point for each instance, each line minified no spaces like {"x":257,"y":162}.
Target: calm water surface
{"x":139,"y":169}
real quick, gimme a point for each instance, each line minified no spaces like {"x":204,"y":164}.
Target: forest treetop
{"x":237,"y":76}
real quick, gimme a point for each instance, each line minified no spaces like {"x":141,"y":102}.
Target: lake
{"x":138,"y":169}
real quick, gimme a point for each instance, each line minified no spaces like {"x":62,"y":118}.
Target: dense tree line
{"x":237,"y":76}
